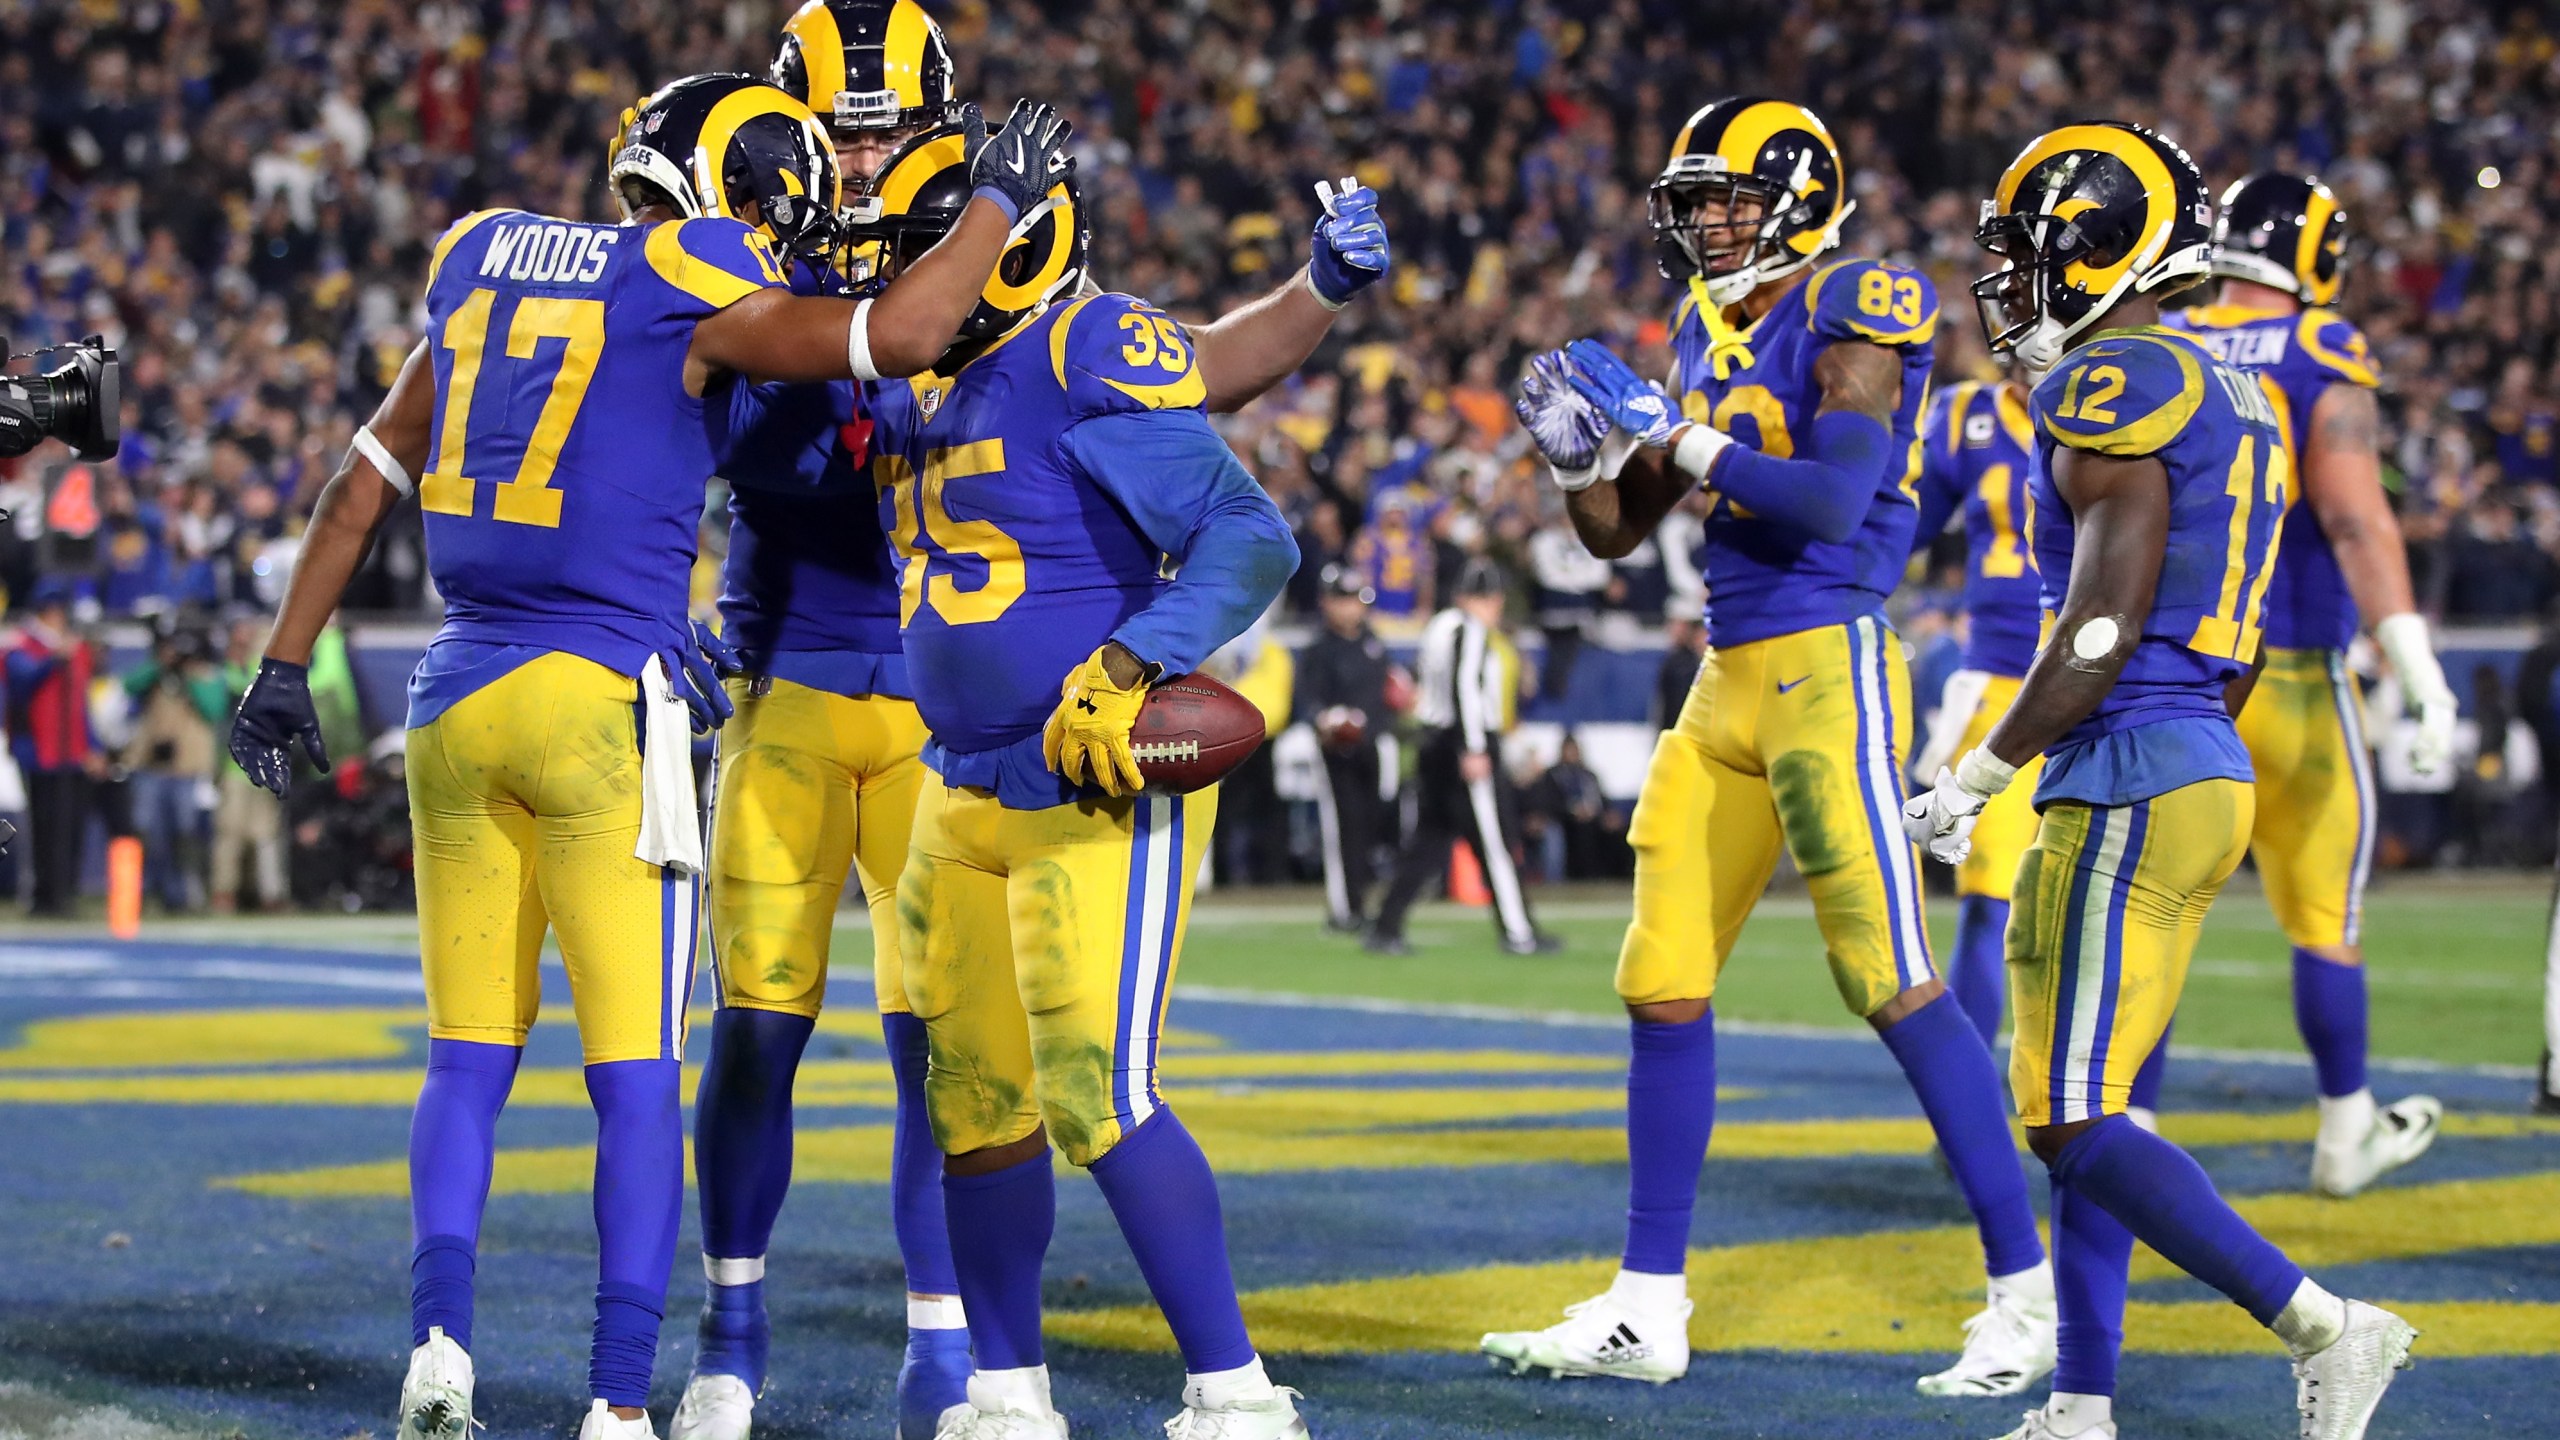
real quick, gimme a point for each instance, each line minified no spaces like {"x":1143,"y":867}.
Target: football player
{"x":1040,"y":486}
{"x":811,"y":599}
{"x":2164,"y":478}
{"x":1795,"y":398}
{"x":563,"y":392}
{"x":2282,"y":242}
{"x":1977,"y":457}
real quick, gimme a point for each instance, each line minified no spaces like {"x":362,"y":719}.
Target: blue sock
{"x":1000,"y":1227}
{"x":742,"y":1170}
{"x":1160,"y":1190}
{"x":1978,"y":971}
{"x":2146,"y":1088}
{"x":2329,"y":1010}
{"x":2092,"y":1254}
{"x":639,"y":1199}
{"x":1671,"y":1110}
{"x":915,"y":1167}
{"x":1950,"y":1070}
{"x":2160,"y":1194}
{"x":453,"y":1141}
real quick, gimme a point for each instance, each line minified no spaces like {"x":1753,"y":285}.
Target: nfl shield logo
{"x":930,"y":400}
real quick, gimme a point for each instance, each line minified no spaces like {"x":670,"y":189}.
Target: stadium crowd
{"x":240,"y":194}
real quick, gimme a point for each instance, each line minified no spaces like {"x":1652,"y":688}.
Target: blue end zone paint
{"x":287,"y":1317}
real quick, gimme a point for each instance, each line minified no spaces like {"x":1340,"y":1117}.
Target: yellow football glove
{"x":1087,"y":737}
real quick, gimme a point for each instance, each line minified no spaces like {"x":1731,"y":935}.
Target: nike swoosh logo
{"x":1018,"y":166}
{"x":1788,"y":685}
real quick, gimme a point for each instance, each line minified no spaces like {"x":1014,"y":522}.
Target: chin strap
{"x":1725,"y":346}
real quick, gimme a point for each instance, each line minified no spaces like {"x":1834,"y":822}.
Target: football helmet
{"x":2084,"y":216}
{"x":2284,"y":231}
{"x":867,"y":64}
{"x":713,"y":144}
{"x":918,"y":196}
{"x":1745,"y":153}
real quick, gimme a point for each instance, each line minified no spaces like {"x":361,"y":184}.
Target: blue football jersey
{"x":565,"y":492}
{"x":2298,"y":357}
{"x":1016,"y":564}
{"x":2159,"y":393}
{"x":1767,"y":579}
{"x":1977,"y":457}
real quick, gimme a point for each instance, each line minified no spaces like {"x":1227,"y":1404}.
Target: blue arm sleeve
{"x":1195,"y":501}
{"x":1826,"y":490}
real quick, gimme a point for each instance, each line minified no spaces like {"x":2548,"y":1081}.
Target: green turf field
{"x":2456,"y":960}
{"x":2456,"y":965}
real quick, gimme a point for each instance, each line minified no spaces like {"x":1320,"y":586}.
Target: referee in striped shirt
{"x":1459,"y":788}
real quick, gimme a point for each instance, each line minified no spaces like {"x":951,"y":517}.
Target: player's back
{"x":1017,"y":563}
{"x":2153,"y":392}
{"x":1978,"y":448}
{"x":2297,"y":356}
{"x":565,"y":490}
{"x":1767,"y":579}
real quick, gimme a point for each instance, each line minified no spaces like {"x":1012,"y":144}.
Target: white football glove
{"x":1941,"y":820}
{"x":1566,"y":427}
{"x":2403,"y":641}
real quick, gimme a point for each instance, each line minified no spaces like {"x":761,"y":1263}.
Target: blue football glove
{"x":697,"y":670}
{"x":274,"y":716}
{"x":1630,"y":401}
{"x":1568,"y":431}
{"x":1350,"y":242}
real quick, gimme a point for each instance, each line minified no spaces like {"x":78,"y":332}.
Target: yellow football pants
{"x":525,"y":803}
{"x":813,"y":786}
{"x":2304,"y":726}
{"x":1797,"y":740}
{"x":1040,"y":946}
{"x":2007,"y":825}
{"x":2108,"y":906}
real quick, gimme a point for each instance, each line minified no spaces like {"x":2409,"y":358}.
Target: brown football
{"x":1191,"y":731}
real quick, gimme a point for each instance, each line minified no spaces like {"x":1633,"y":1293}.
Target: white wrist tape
{"x":378,"y":454}
{"x":1699,"y":445}
{"x":1570,"y":481}
{"x":857,"y":344}
{"x":2403,"y":641}
{"x":1983,"y":774}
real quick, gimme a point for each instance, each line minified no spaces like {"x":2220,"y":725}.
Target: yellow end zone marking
{"x":169,"y":1039}
{"x":1906,"y":1291}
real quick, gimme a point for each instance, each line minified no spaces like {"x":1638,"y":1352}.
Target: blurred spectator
{"x":248,"y":823}
{"x":1342,"y":694}
{"x":1565,"y":820}
{"x":49,"y":669}
{"x":2495,"y":567}
{"x":2495,"y":762}
{"x":180,"y":707}
{"x":1565,"y":585}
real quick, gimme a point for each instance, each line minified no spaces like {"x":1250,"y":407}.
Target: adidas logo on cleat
{"x":1623,"y":1347}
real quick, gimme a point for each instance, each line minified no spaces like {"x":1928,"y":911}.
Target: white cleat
{"x":1275,"y":1418}
{"x":1601,"y":1336}
{"x":602,"y":1424}
{"x":2399,"y":1134}
{"x":990,"y":1415}
{"x":715,"y":1407}
{"x":2338,"y":1389}
{"x":2040,"y":1425}
{"x":435,"y":1401}
{"x":2008,"y":1346}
